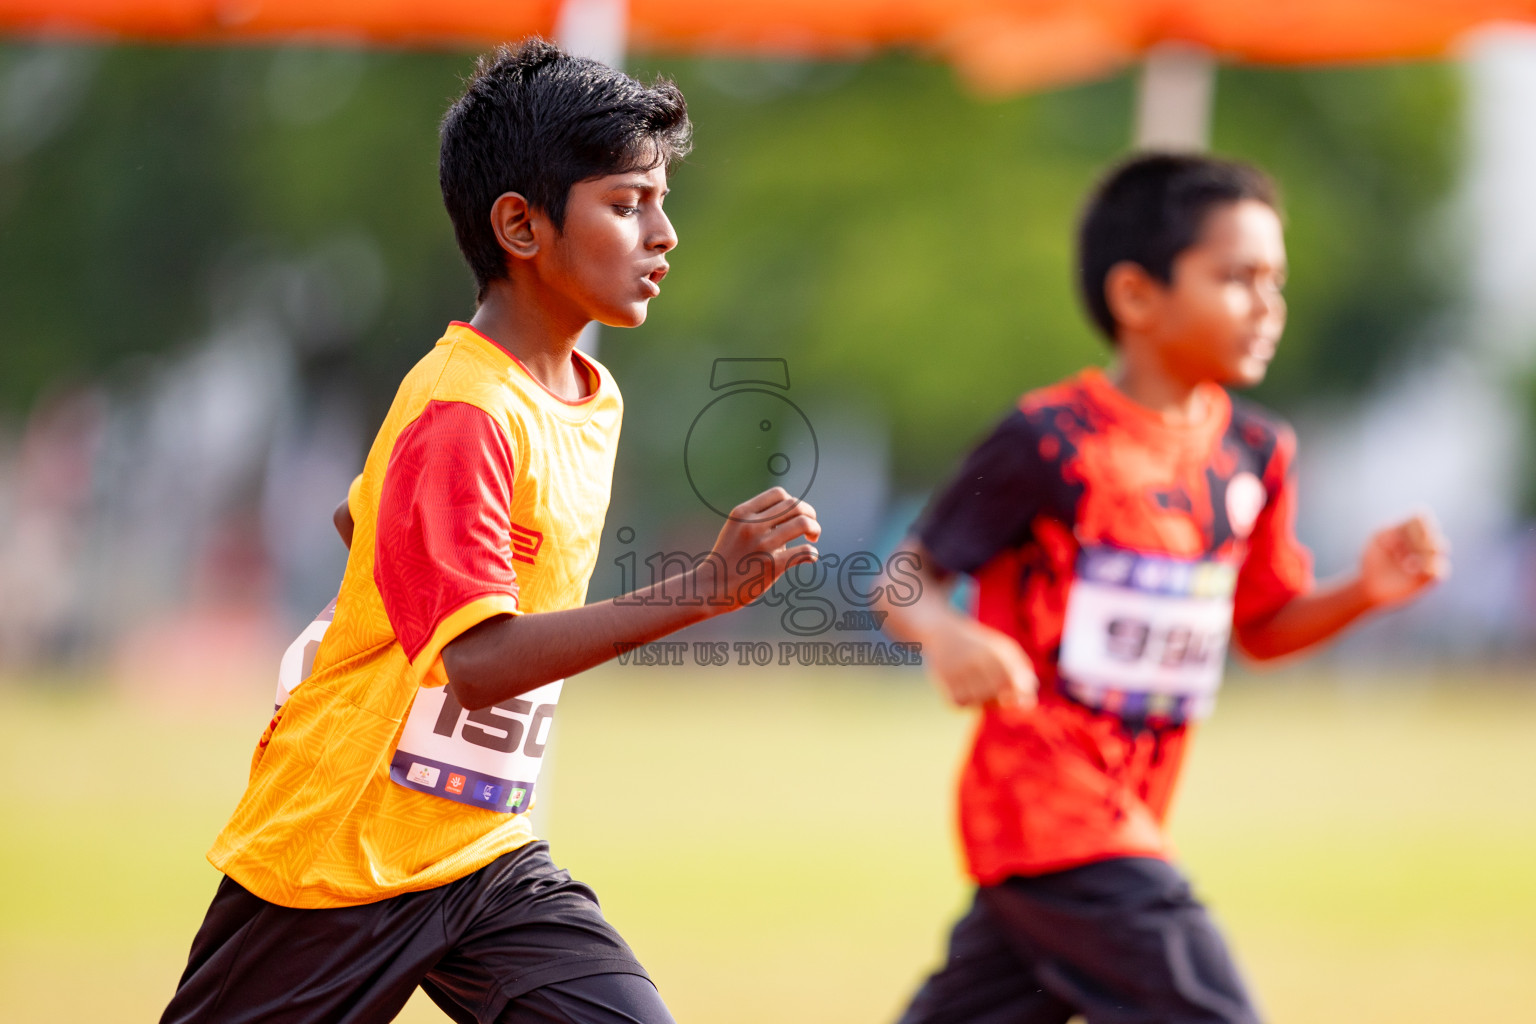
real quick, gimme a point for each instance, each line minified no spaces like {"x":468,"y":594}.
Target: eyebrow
{"x":1282,"y":267}
{"x":637,"y":185}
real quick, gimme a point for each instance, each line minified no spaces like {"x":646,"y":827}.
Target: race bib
{"x":488,"y":758}
{"x":1146,"y":635}
{"x":299,"y":659}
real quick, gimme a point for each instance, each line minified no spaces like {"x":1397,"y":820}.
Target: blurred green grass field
{"x":777,"y":847}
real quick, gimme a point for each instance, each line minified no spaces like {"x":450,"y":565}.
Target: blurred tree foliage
{"x":176,"y":170}
{"x":905,"y":245}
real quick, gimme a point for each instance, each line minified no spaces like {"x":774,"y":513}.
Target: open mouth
{"x":653,"y":279}
{"x":1262,"y":348}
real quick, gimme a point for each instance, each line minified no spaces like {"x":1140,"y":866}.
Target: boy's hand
{"x":1402,"y":560}
{"x":976,"y":664}
{"x":753,"y":550}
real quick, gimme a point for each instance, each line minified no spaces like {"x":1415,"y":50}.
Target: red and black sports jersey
{"x":1084,"y":507}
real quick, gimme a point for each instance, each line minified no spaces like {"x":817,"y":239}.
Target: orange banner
{"x":998,"y":44}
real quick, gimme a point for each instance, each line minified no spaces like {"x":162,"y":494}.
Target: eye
{"x":626,"y":211}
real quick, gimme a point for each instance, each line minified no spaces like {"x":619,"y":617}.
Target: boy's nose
{"x":1270,"y":301}
{"x":664,"y":238}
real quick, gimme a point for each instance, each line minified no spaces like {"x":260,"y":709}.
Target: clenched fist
{"x":754,"y":547}
{"x":976,"y":664}
{"x":1401,"y":560}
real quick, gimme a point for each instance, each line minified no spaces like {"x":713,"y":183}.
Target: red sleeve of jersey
{"x":1278,"y":567}
{"x":444,"y":533}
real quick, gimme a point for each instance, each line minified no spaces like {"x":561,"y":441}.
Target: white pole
{"x":594,"y":28}
{"x":1497,"y":197}
{"x":598,"y":29}
{"x":1173,"y":109}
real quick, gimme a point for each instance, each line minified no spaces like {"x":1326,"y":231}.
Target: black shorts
{"x":516,"y":942}
{"x":1122,"y":941}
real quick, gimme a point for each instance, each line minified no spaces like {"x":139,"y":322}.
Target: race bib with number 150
{"x":488,"y":758}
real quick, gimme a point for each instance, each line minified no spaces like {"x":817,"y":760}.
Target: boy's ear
{"x":1132,"y":295}
{"x":512,"y":221}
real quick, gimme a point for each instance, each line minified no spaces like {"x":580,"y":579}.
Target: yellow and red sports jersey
{"x":483,"y":494}
{"x":1118,"y":550}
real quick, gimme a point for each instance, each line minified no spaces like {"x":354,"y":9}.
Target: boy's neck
{"x":1148,"y":382}
{"x":541,"y":338}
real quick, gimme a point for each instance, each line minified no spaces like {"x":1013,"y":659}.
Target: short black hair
{"x":1151,"y":208}
{"x":536,"y":120}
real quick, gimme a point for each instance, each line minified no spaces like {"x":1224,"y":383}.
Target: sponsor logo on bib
{"x":423,"y":775}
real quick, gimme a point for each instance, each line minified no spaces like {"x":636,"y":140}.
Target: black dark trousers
{"x":1121,"y":941}
{"x":517,"y":942}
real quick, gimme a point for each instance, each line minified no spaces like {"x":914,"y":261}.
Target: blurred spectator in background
{"x":45,"y":518}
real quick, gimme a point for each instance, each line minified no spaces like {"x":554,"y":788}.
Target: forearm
{"x":510,"y":655}
{"x":916,"y":621}
{"x":1307,"y":620}
{"x":1398,"y":563}
{"x":973,"y":664}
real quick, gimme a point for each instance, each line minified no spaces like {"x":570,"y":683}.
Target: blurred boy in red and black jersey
{"x":1121,"y":526}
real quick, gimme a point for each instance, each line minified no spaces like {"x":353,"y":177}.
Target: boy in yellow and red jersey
{"x":382,"y":842}
{"x":1120,"y":526}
